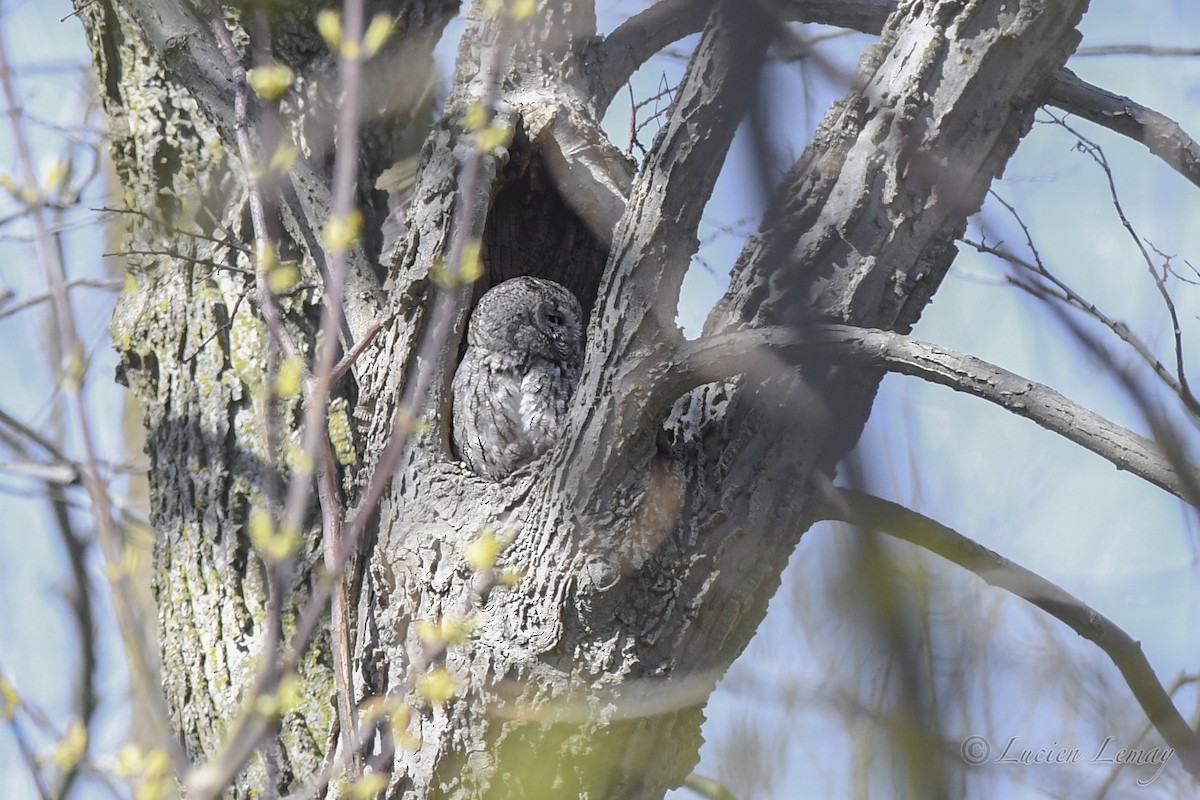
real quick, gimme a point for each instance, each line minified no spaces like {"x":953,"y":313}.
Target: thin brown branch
{"x":318,"y":461}
{"x":265,"y":298}
{"x":348,"y":360}
{"x":859,"y":508}
{"x":203,"y":343}
{"x":80,"y":596}
{"x":315,"y":435}
{"x":635,"y":127}
{"x":281,"y":341}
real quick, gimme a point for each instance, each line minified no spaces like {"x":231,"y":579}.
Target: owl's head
{"x":529,"y":317}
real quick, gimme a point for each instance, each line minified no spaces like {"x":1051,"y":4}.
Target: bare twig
{"x":50,"y":261}
{"x":1060,"y":291}
{"x":1097,"y":154}
{"x":1137,"y":50}
{"x":29,"y":302}
{"x":348,"y":360}
{"x":665,"y":91}
{"x":219,"y":330}
{"x":175,"y":256}
{"x":229,"y":241}
{"x":1169,"y":269}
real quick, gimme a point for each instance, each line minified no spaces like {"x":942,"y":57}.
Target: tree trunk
{"x":651,"y":538}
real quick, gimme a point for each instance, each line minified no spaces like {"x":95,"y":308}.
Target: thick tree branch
{"x":655,"y":240}
{"x":643,"y":35}
{"x":859,"y":508}
{"x":653,"y":387}
{"x":189,"y":50}
{"x":1162,"y":135}
{"x":862,"y":231}
{"x":633,"y":42}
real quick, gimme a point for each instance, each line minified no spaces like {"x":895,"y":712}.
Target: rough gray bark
{"x":193,"y":350}
{"x":650,"y":550}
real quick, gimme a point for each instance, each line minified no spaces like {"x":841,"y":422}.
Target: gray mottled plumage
{"x":524,"y":352}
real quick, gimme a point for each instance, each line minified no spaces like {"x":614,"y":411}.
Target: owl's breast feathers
{"x":545,"y":391}
{"x":508,"y":410}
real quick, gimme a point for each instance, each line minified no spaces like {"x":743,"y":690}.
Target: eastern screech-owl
{"x":524,"y":353}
